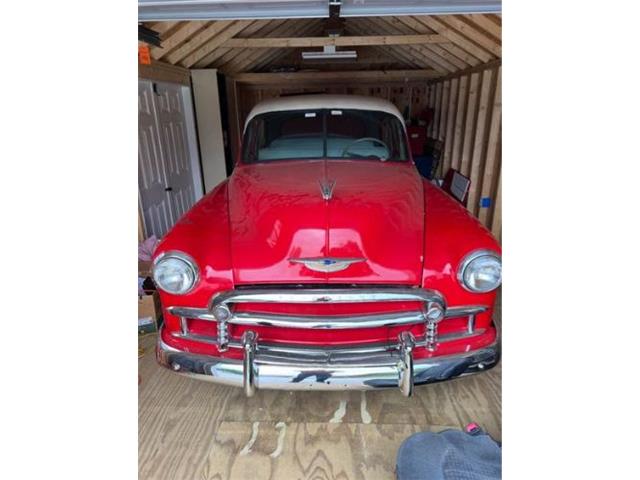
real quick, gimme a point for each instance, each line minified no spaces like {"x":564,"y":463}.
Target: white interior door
{"x":169,"y":173}
{"x":175,"y":149}
{"x":154,"y":200}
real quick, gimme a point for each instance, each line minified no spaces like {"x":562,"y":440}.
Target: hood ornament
{"x":326,"y":187}
{"x":326,"y":264}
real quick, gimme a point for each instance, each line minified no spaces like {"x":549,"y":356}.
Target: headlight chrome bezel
{"x":187,"y":259}
{"x":468,"y":260}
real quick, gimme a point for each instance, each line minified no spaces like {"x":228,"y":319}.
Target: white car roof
{"x":314,"y":102}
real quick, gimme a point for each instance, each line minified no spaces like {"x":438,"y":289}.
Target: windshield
{"x":330,"y":133}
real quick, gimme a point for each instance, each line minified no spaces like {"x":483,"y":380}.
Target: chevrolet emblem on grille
{"x":326,"y":264}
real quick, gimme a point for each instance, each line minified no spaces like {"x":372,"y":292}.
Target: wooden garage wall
{"x":468,"y":120}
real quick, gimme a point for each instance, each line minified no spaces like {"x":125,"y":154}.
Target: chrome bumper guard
{"x":280,"y":367}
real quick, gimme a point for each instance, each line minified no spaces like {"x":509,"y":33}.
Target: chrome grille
{"x":225,"y":301}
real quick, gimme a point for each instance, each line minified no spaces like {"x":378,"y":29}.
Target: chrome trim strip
{"x":449,"y":337}
{"x":469,"y":311}
{"x":328,"y":322}
{"x":338,"y":295}
{"x":205,"y":314}
{"x":196,"y":338}
{"x":364,"y":373}
{"x":190,"y":312}
{"x":463,"y":311}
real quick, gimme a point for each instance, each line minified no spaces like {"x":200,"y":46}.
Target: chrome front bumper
{"x":287,"y":368}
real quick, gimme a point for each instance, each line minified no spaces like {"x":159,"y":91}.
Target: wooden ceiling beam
{"x":197,"y":40}
{"x":446,"y":31}
{"x":215,"y":42}
{"x":374,"y":76}
{"x":423,"y":50}
{"x":271,"y":56}
{"x":184,"y":32}
{"x":228,"y":53}
{"x":444,"y":50}
{"x":402,"y":54}
{"x":219,"y":53}
{"x":393,"y":53}
{"x":260,"y":61}
{"x":233,"y":56}
{"x":161,"y":27}
{"x":451,"y":48}
{"x":419,"y":51}
{"x":464,"y":27}
{"x":487,"y":23}
{"x":297,"y":42}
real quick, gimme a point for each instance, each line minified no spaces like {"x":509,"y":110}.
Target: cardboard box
{"x":144,"y":268}
{"x":149,"y":311}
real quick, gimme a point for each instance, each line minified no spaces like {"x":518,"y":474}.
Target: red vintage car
{"x":325,"y":261}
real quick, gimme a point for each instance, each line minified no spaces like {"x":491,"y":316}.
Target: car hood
{"x":278,"y":215}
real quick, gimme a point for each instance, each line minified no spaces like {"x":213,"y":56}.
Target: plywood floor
{"x":196,"y":430}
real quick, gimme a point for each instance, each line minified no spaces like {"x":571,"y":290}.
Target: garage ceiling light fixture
{"x":329,"y":52}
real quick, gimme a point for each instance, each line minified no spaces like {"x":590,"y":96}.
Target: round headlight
{"x":175,"y":272}
{"x":480,"y":271}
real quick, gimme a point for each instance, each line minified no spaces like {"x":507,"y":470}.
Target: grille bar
{"x":340,"y":295}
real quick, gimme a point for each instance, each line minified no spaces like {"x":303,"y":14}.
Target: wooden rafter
{"x":255,"y":28}
{"x":162,"y":27}
{"x":185,"y":31}
{"x":467,"y":29}
{"x":487,"y":23}
{"x":275,"y":27}
{"x":259,"y":61}
{"x":210,"y":31}
{"x":433,"y":52}
{"x":465,"y":44}
{"x":215,"y":42}
{"x":294,"y":42}
{"x":447,"y":44}
{"x":401,"y":53}
{"x":419,"y":50}
{"x":444,"y":50}
{"x":337,"y":77}
{"x":393,"y":52}
{"x":450,"y":48}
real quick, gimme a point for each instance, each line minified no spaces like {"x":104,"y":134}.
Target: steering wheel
{"x":366,"y":139}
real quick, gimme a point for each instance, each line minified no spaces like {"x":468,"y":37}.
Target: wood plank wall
{"x":468,"y":120}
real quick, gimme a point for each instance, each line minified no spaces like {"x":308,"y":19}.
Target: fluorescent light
{"x":324,"y":55}
{"x":329,"y":52}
